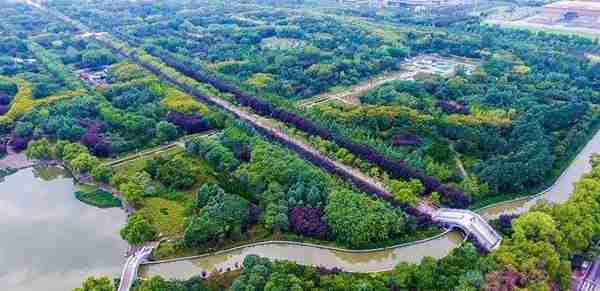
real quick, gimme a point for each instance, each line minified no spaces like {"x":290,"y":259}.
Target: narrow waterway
{"x":377,"y":260}
{"x":559,"y":192}
{"x":49,"y":240}
{"x":309,"y":256}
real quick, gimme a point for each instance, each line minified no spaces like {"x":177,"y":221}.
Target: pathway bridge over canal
{"x":471,"y":223}
{"x":131,"y":268}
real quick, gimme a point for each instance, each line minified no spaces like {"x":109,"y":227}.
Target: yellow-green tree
{"x":96,"y":284}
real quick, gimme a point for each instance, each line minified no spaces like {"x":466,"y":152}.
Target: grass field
{"x":137,"y":165}
{"x":165,"y":215}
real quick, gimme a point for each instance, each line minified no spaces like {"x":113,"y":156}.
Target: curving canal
{"x":373,"y":261}
{"x":352,"y":261}
{"x":49,"y":239}
{"x":557,"y":193}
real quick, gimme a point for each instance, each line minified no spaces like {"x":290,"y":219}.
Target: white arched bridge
{"x":471,"y":223}
{"x":131,"y":268}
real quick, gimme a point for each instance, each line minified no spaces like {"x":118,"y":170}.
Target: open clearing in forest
{"x":428,"y":64}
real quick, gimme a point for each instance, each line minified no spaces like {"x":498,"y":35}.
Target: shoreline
{"x":326,"y":247}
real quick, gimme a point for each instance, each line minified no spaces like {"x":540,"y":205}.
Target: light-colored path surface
{"x":422,"y":64}
{"x":15,"y":160}
{"x":375,"y":260}
{"x":178,"y":143}
{"x":472,"y":224}
{"x":130,"y":269}
{"x":351,"y":94}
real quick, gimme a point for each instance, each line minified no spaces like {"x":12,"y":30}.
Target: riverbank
{"x":558,"y":192}
{"x":171,"y":249}
{"x":303,"y":253}
{"x":364,"y":261}
{"x":551,"y":180}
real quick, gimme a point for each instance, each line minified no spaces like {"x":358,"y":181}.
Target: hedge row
{"x":397,"y":168}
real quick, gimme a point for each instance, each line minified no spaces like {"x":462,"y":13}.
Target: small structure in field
{"x":94,"y":77}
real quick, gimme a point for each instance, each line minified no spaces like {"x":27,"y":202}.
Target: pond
{"x":50,"y":240}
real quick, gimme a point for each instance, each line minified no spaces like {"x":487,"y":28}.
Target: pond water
{"x":51,"y":241}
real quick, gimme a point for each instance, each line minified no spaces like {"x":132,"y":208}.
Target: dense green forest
{"x":531,"y":97}
{"x":503,"y":123}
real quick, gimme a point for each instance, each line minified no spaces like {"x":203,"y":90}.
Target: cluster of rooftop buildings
{"x":571,"y":13}
{"x":406,"y":3}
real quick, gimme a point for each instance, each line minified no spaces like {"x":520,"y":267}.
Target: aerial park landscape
{"x":296,"y":145}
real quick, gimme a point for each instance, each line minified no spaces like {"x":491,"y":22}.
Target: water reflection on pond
{"x":50,"y":240}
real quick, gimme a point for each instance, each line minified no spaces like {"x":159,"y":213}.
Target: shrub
{"x":92,"y":140}
{"x":165,"y":131}
{"x":189,"y":123}
{"x":358,"y":220}
{"x":3,"y":149}
{"x":102,"y":173}
{"x":216,"y":154}
{"x":18,"y":143}
{"x":138,"y":230}
{"x":452,"y":107}
{"x":5,"y":100}
{"x":23,"y":129}
{"x":98,"y":198}
{"x":39,"y":150}
{"x":406,"y":140}
{"x":177,"y":172}
{"x":8,"y":87}
{"x":308,"y":222}
{"x":84,"y":163}
{"x":225,"y":215}
{"x":178,"y":101}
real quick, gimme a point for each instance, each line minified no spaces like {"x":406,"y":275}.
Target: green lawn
{"x":165,"y":215}
{"x":137,"y":165}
